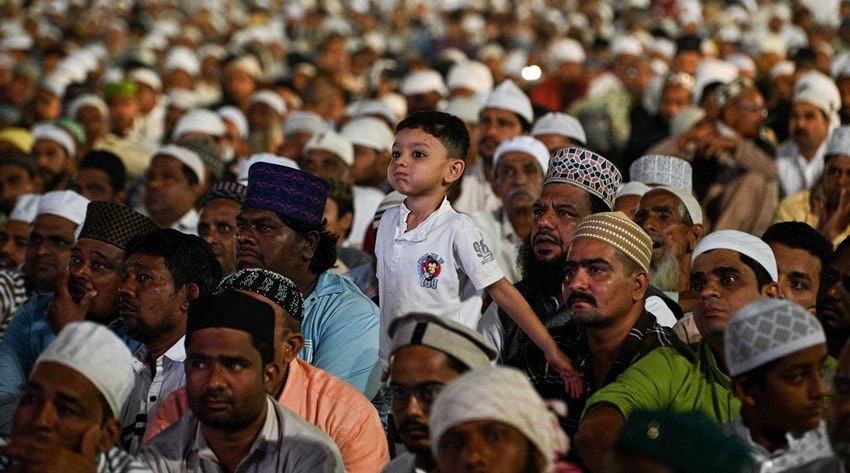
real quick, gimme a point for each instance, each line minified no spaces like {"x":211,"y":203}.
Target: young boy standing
{"x":433,"y":259}
{"x":775,"y":353}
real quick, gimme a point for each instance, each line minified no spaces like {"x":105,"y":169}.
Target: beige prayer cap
{"x":767,"y":330}
{"x":501,"y":394}
{"x":95,"y":352}
{"x":617,"y":230}
{"x":442,"y":334}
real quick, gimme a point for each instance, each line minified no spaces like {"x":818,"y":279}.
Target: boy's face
{"x":420,"y":164}
{"x":794,"y":388}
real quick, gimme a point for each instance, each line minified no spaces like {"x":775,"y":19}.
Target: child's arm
{"x":511,"y":301}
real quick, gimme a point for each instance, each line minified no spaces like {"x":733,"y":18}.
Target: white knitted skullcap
{"x":146,"y":76}
{"x":55,"y":133}
{"x":370,"y":132}
{"x":370,"y":108}
{"x":245,"y":164}
{"x":333,"y":142}
{"x":65,"y":204}
{"x":508,"y":96}
{"x":183,"y":59}
{"x":626,"y":45}
{"x":710,"y":71}
{"x":556,"y":123}
{"x":185,"y":156}
{"x":839,"y":142}
{"x":182,"y":99}
{"x":523,"y":144}
{"x":618,"y":230}
{"x":300,"y":121}
{"x":685,"y":120}
{"x":87,"y":100}
{"x":94,"y":351}
{"x":740,"y":242}
{"x":198,"y":120}
{"x":688,"y":200}
{"x":500,"y":394}
{"x":782,"y":68}
{"x":232,"y":114}
{"x":471,"y":75}
{"x":249,"y":64}
{"x":632,"y":188}
{"x":26,"y":208}
{"x":664,"y":170}
{"x":420,"y":82}
{"x":566,"y":50}
{"x":767,"y":330}
{"x":269,"y":98}
{"x":465,"y":108}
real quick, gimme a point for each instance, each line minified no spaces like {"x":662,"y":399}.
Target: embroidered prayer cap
{"x":25,"y":208}
{"x":732,"y":91}
{"x":501,"y":394}
{"x":115,"y":224}
{"x":55,"y":133}
{"x":18,"y":158}
{"x":94,"y":351}
{"x":270,"y":285}
{"x":660,"y":169}
{"x":442,"y":334}
{"x":741,"y":242}
{"x":269,"y":98}
{"x":211,"y":154}
{"x":585,"y":169}
{"x":507,"y":96}
{"x":66,"y":204}
{"x":287,"y":191}
{"x":185,"y":156}
{"x":767,"y":330}
{"x":685,"y":441}
{"x":839,"y":142}
{"x":234,"y":310}
{"x":228,"y":190}
{"x":688,"y":200}
{"x":199,"y":120}
{"x":232,"y":114}
{"x":523,"y":144}
{"x":332,"y":142}
{"x":369,"y":132}
{"x":421,"y":82}
{"x":300,"y":121}
{"x":617,"y":230}
{"x":556,"y":123}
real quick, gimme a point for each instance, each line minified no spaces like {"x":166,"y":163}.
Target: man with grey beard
{"x":673,"y":219}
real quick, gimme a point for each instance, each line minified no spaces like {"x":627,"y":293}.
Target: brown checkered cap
{"x":114,"y":223}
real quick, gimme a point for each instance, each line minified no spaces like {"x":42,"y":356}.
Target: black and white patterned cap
{"x":586,"y":169}
{"x":267,"y":284}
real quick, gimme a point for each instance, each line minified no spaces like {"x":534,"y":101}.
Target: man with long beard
{"x":578,"y":183}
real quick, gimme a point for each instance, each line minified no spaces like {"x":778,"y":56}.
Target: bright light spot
{"x":531,"y":73}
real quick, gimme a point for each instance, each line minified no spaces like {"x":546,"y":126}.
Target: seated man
{"x":233,"y":422}
{"x":322,"y":399}
{"x":491,"y":418}
{"x":729,"y":269}
{"x":68,"y":414}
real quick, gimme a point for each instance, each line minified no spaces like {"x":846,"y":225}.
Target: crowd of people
{"x":414,"y":236}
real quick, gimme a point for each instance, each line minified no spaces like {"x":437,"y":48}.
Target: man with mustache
{"x":217,"y":222}
{"x":833,"y":303}
{"x":578,"y":183}
{"x":427,"y":352}
{"x":607,"y":276}
{"x":519,"y":166}
{"x":729,"y":269}
{"x":165,"y":270}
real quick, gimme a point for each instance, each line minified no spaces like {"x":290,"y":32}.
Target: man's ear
{"x":454,"y":171}
{"x":109,"y":434}
{"x":270,"y":372}
{"x":292,"y":344}
{"x":695,"y":234}
{"x":746,"y":391}
{"x":192,"y":292}
{"x":771,"y":290}
{"x":309,"y":244}
{"x":640,"y":281}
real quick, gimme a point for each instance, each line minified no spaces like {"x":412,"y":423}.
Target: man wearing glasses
{"x":426,"y":353}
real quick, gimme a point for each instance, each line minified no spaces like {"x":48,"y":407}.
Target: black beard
{"x":547,"y":275}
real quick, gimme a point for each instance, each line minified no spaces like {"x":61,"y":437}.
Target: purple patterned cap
{"x":586,"y":169}
{"x":287,"y":191}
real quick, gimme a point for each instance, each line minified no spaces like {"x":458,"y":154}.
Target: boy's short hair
{"x":449,"y":129}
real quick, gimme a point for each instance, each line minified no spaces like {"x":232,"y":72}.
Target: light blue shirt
{"x":341,"y":328}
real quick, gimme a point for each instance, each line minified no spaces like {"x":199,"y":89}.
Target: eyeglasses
{"x":754,"y":108}
{"x":424,"y":393}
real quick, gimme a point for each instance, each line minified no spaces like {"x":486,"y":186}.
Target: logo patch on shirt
{"x":484,"y":253}
{"x":430,"y":266}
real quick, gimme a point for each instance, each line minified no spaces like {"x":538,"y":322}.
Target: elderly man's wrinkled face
{"x":519,"y":179}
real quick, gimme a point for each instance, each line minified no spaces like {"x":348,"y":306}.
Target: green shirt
{"x":673,"y":378}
